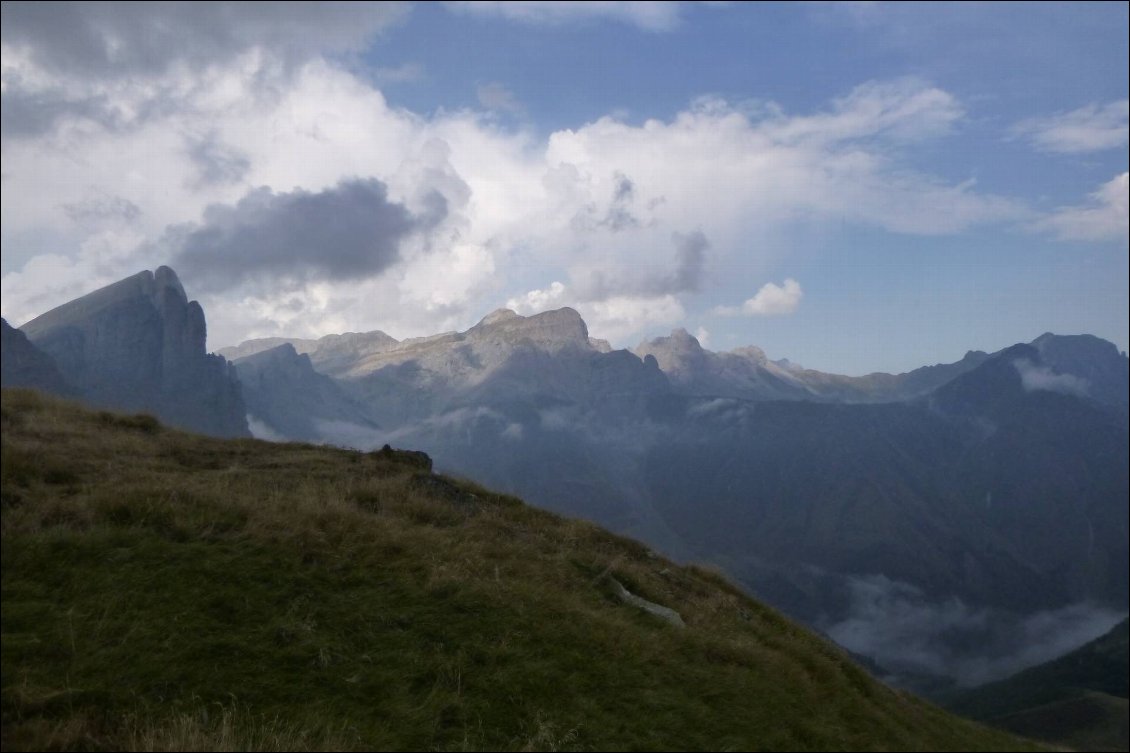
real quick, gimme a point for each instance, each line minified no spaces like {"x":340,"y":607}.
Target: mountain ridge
{"x":1001,"y":489}
{"x":168,"y":590}
{"x":139,"y":344}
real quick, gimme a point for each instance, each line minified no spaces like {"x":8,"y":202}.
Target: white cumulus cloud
{"x":536,"y":301}
{"x":770,"y":300}
{"x":632,"y":222}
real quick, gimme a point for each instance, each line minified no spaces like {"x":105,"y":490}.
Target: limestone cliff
{"x":139,"y":345}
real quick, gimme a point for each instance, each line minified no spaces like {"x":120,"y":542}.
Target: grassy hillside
{"x":1079,"y":699}
{"x":167,"y":591}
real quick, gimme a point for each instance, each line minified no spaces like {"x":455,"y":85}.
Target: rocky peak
{"x":788,"y":365}
{"x":498,"y":315}
{"x":336,"y":355}
{"x":1098,"y":363}
{"x":258,"y":345}
{"x":158,"y":288}
{"x":551,"y":330}
{"x":139,"y":344}
{"x":282,"y":356}
{"x":678,"y":353}
{"x":679,"y":341}
{"x":755,"y":354}
{"x":374,"y":341}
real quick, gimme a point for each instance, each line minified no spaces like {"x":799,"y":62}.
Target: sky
{"x":856,"y":187}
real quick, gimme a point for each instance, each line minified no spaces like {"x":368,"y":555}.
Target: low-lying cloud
{"x":347,"y":232}
{"x":908,"y":634}
{"x":1036,"y":377}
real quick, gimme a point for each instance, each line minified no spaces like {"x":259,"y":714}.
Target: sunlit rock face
{"x":139,"y":344}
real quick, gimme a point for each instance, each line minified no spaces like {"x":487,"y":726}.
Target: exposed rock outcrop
{"x":665,"y":613}
{"x":139,"y":345}
{"x":551,"y":331}
{"x":743,"y":373}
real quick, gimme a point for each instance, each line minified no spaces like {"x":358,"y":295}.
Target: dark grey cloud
{"x":100,"y":40}
{"x":29,"y":113}
{"x":216,"y":163}
{"x":350,"y":231}
{"x":620,"y":215}
{"x":84,"y":44}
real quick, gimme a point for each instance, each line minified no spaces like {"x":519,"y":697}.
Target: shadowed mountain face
{"x":286,"y":398}
{"x":24,"y":365}
{"x":747,"y":373}
{"x":1091,"y":360}
{"x":935,"y":532}
{"x":917,"y":533}
{"x":941,"y":524}
{"x":139,"y":345}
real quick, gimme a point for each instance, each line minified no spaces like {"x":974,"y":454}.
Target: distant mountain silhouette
{"x":747,"y":373}
{"x":139,"y":345}
{"x":998,"y":480}
{"x":954,"y":500}
{"x":284,"y":392}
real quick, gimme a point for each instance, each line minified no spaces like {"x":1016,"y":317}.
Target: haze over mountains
{"x":957,"y":521}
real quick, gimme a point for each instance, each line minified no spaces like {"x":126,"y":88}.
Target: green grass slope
{"x":1085,"y":721}
{"x":1079,"y":699}
{"x":168,"y":591}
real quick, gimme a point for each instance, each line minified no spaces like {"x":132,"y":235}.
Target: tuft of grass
{"x":229,"y":728}
{"x":175,"y":592}
{"x":143,"y":422}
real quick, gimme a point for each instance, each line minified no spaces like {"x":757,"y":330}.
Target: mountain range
{"x":164,"y":590}
{"x":138,"y":344}
{"x":927,"y":520}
